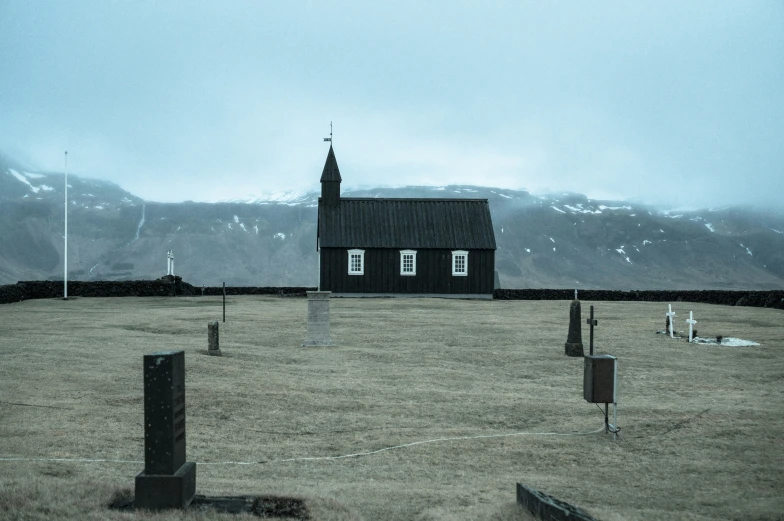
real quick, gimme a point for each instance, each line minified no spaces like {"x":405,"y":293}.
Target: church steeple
{"x":330,"y":180}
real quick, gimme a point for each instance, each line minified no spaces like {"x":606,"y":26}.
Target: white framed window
{"x":356,"y":262}
{"x":460,"y":263}
{"x":408,"y":262}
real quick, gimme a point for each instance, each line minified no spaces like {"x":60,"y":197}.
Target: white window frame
{"x":361,"y":254}
{"x":460,"y":254}
{"x":403,"y":254}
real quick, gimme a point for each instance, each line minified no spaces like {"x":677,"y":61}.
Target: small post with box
{"x":600,"y":382}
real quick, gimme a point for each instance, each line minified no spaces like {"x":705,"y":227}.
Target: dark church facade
{"x":402,"y":247}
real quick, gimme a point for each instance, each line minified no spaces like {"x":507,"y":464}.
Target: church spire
{"x":330,"y":180}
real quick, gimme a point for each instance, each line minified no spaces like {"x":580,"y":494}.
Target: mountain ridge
{"x":558,"y":241}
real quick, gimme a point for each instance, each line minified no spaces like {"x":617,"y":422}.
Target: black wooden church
{"x":377,"y":247}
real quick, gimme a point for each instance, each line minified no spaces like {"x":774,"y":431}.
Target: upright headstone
{"x":318,"y":333}
{"x":670,"y":321}
{"x":691,"y":323}
{"x":167,"y":481}
{"x":213,"y":341}
{"x":574,"y":341}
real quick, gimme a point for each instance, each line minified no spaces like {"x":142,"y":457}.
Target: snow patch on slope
{"x":23,"y":179}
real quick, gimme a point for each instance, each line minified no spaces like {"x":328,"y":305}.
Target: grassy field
{"x":702,"y":426}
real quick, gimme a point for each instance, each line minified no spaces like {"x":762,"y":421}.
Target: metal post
{"x":615,"y":399}
{"x":591,"y":330}
{"x":591,"y":322}
{"x":224,"y":302}
{"x":65,"y":235}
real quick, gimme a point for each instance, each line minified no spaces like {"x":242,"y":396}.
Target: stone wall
{"x":766,"y":299}
{"x":169,"y":286}
{"x":283,"y":291}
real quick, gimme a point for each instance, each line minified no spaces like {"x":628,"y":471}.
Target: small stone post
{"x":318,"y":334}
{"x":167,"y":481}
{"x":574,"y":341}
{"x":213,"y":343}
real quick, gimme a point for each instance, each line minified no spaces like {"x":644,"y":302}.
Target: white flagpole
{"x":65,"y":255}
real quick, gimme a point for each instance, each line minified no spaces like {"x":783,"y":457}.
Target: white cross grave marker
{"x":671,"y":315}
{"x":691,"y":323}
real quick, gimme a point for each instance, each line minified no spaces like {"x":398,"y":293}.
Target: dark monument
{"x":167,"y":481}
{"x":213,"y":343}
{"x":574,"y":342}
{"x":545,"y":506}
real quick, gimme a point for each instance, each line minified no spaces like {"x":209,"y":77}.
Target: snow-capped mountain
{"x":554,"y":241}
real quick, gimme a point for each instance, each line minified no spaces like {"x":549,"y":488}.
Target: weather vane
{"x":330,"y":133}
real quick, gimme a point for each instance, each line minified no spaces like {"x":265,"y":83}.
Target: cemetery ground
{"x":702,"y":426}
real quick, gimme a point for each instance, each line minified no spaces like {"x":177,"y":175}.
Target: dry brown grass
{"x":702,"y":425}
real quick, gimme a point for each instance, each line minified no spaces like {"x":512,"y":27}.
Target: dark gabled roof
{"x":457,"y":224}
{"x":331,"y":171}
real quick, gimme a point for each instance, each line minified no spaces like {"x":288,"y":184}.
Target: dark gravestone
{"x":544,"y":506}
{"x":574,"y":341}
{"x":167,"y":481}
{"x":213,"y":341}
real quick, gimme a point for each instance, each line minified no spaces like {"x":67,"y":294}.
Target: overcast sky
{"x":675,"y":103}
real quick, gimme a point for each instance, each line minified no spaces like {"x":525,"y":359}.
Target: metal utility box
{"x":599,"y":379}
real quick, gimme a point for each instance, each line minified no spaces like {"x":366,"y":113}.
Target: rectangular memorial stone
{"x":167,"y":481}
{"x":545,"y":506}
{"x":164,"y":412}
{"x":318,"y":333}
{"x":213,"y":342}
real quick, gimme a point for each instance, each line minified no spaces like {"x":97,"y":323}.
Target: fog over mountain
{"x":668,"y":103}
{"x":559,"y":241}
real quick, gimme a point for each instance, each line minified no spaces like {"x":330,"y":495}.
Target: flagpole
{"x":65,"y":236}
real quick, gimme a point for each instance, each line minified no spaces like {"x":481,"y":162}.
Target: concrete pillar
{"x":318,"y":320}
{"x":213,"y":342}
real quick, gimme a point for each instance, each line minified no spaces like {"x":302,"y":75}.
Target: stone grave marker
{"x":691,"y":323}
{"x":170,"y":262}
{"x":167,"y":481}
{"x":670,"y":320}
{"x":213,"y":340}
{"x":574,"y":340}
{"x":318,"y":334}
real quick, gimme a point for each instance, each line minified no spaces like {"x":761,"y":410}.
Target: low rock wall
{"x":763,"y":299}
{"x":169,"y":286}
{"x":164,"y":287}
{"x":283,"y":291}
